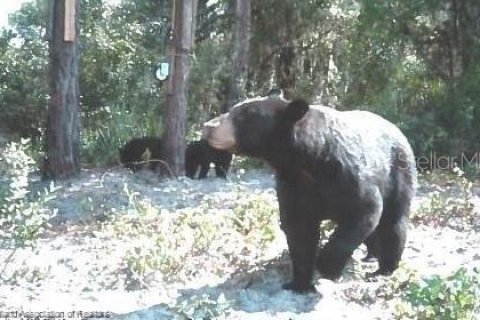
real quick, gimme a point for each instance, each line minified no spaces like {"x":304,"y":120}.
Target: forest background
{"x":416,"y":62}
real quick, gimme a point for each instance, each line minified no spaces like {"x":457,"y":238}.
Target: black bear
{"x":352,"y":167}
{"x":142,"y":153}
{"x":200,"y":154}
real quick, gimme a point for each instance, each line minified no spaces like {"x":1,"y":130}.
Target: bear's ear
{"x":296,"y":110}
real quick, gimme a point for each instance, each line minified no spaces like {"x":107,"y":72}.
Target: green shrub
{"x":447,"y":208}
{"x":22,"y":216}
{"x":202,"y":307}
{"x":454,"y":297}
{"x":256,"y":215}
{"x":171,"y":246}
{"x":101,"y":144}
{"x":243,"y":164}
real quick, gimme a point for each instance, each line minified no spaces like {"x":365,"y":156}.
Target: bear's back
{"x":362,"y":128}
{"x":369,"y":143}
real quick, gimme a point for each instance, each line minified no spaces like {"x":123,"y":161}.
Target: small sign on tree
{"x":162,"y":71}
{"x":69,"y":31}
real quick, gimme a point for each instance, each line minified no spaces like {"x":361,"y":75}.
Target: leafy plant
{"x":454,"y":297}
{"x":457,"y":211}
{"x":22,"y":216}
{"x":101,"y":144}
{"x":174,"y":245}
{"x":256,"y":215}
{"x":202,"y":308}
{"x":143,"y":261}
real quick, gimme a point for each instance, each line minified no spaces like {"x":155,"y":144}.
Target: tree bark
{"x":63,"y":129}
{"x":286,"y":72}
{"x":286,"y":64}
{"x":176,"y":112}
{"x":240,"y":54}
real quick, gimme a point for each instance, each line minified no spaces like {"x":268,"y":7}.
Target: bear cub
{"x":198,"y":157}
{"x":146,"y":153}
{"x":142,"y":153}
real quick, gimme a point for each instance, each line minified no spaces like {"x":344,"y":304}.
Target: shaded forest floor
{"x":141,"y":248}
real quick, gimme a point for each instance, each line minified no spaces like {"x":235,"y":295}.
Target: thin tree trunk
{"x":176,"y":112}
{"x":286,"y":70}
{"x":455,"y":40}
{"x":63,"y":129}
{"x":240,"y":54}
{"x":286,"y":64}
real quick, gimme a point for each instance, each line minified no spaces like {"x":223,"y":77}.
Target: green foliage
{"x":445,"y":209}
{"x":120,"y":97}
{"x":388,"y":289}
{"x":22,"y":217}
{"x":243,"y":164}
{"x":202,"y":307}
{"x":23,"y":77}
{"x":101,"y":144}
{"x":208,"y":81}
{"x":256,"y":216}
{"x":401,"y":59}
{"x":172,"y":245}
{"x":454,"y":297}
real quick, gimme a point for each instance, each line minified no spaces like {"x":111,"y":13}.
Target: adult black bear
{"x":200,"y":154}
{"x":142,"y":153}
{"x":352,"y":167}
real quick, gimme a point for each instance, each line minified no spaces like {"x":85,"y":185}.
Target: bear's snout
{"x":219,"y":133}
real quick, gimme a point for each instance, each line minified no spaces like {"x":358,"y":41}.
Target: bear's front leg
{"x":302,"y":245}
{"x":301,"y":228}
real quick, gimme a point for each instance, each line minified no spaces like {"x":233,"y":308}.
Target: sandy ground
{"x":72,"y":271}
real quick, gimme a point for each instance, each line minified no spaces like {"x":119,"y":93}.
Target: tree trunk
{"x":176,"y":112}
{"x":63,"y":129}
{"x":240,"y":54}
{"x":286,"y":64}
{"x":286,"y":73}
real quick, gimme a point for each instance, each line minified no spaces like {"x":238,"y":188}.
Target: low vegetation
{"x":166,"y":245}
{"x":173,"y":246}
{"x":23,"y":215}
{"x":449,"y":201}
{"x":454,"y":297}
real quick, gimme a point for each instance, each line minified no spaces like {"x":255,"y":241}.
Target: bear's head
{"x":255,"y":126}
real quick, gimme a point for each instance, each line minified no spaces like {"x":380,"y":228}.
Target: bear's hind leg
{"x":392,"y":239}
{"x":392,"y":231}
{"x":347,"y":237}
{"x":373,"y":247}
